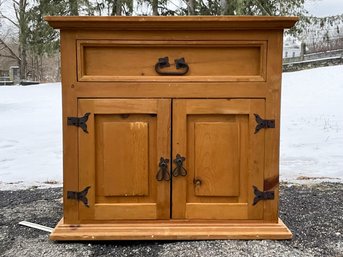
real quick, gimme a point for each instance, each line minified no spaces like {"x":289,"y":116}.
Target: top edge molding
{"x":171,"y":22}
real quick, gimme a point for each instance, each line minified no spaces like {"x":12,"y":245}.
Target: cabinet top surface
{"x":171,"y":22}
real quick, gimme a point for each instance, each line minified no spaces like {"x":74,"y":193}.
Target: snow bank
{"x":30,"y":134}
{"x":312,"y":124}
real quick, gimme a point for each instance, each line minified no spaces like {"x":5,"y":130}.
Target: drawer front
{"x":109,"y":60}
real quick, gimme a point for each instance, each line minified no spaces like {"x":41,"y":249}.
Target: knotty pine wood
{"x":187,"y":115}
{"x":169,"y":230}
{"x":272,"y":142}
{"x":97,"y":168}
{"x":222,"y":60}
{"x":252,"y":83}
{"x":171,"y":23}
{"x":70,"y":134}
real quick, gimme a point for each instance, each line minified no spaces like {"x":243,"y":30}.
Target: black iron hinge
{"x":79,"y":121}
{"x":259,"y":195}
{"x":261,"y":123}
{"x":80,"y":196}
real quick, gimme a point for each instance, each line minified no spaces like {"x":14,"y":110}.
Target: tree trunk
{"x":22,"y":17}
{"x":223,"y":7}
{"x":191,"y":7}
{"x":73,"y":7}
{"x":41,"y":69}
{"x":239,"y":7}
{"x":118,"y":7}
{"x":155,"y":7}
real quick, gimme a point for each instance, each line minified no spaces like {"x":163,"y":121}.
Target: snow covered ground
{"x":312,"y":124}
{"x":30,"y":135}
{"x":311,"y":130}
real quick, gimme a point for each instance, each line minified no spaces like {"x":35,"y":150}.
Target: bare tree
{"x":155,"y":7}
{"x":20,"y":21}
{"x":5,"y":49}
{"x":191,"y":7}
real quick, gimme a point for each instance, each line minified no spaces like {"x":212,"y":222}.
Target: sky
{"x":322,"y":8}
{"x":319,"y":8}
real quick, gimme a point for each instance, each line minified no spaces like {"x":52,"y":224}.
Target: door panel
{"x":210,"y":141}
{"x":131,"y":164}
{"x":119,"y":159}
{"x":224,"y":159}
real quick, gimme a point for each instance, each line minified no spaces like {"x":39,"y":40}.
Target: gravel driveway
{"x":314,"y":213}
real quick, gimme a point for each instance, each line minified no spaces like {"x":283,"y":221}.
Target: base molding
{"x":170,"y":231}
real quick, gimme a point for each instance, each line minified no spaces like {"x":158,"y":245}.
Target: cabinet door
{"x":224,"y":158}
{"x":119,"y":158}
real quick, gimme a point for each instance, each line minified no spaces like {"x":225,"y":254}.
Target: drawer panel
{"x":107,"y":60}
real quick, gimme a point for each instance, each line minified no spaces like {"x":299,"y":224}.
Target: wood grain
{"x":171,"y":23}
{"x":272,"y":136}
{"x":171,"y":231}
{"x":219,"y":60}
{"x":216,"y":158}
{"x":119,"y":158}
{"x":223,"y":153}
{"x":126,"y":155}
{"x":137,"y":117}
{"x":70,"y":134}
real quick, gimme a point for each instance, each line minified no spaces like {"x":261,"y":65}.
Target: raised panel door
{"x":224,"y":158}
{"x":119,"y":158}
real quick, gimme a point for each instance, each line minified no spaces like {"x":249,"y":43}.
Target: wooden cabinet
{"x":171,"y":127}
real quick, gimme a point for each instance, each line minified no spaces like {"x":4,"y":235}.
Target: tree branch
{"x":9,"y":49}
{"x":10,"y":20}
{"x":8,"y":56}
{"x":259,"y":3}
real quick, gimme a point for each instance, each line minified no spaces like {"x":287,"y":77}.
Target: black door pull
{"x":180,"y":64}
{"x":163,"y":172}
{"x":179,"y":170}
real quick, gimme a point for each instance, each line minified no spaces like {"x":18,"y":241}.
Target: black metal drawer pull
{"x":179,"y":170}
{"x":179,"y":64}
{"x":163,"y":172}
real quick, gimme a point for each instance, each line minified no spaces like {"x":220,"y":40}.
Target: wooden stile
{"x":171,"y":127}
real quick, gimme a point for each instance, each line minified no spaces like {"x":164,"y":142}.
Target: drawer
{"x":119,"y":60}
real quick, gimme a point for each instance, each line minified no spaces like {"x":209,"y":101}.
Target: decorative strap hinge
{"x":80,"y":196}
{"x":261,"y":123}
{"x":79,"y":121}
{"x":259,"y":195}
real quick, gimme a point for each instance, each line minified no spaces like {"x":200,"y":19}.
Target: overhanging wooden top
{"x":171,"y":22}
